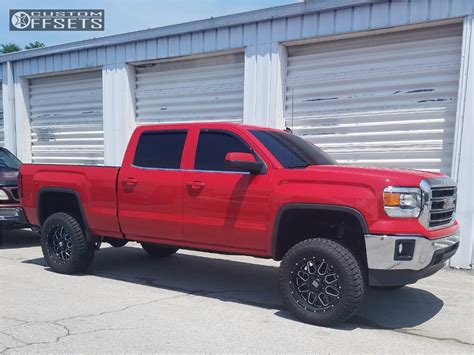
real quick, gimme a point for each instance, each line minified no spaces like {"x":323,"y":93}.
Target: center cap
{"x":61,"y":244}
{"x":315,"y":284}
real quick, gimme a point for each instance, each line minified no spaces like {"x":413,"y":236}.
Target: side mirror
{"x":243,"y":162}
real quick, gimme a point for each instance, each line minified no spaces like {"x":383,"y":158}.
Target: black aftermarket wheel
{"x":321,"y":282}
{"x":64,"y":244}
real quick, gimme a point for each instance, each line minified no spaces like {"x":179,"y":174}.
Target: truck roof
{"x":204,"y":125}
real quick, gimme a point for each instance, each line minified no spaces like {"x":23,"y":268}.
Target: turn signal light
{"x":391,"y":199}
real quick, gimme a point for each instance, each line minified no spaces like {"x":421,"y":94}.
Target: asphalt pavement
{"x":201,"y":302}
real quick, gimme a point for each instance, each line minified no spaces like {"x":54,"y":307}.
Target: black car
{"x":11,"y":216}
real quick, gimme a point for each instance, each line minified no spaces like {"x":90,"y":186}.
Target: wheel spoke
{"x":60,"y":243}
{"x":323,"y":299}
{"x":303,"y":275}
{"x":310,"y":268}
{"x":311,"y":298}
{"x":323,"y":268}
{"x":330,"y":278}
{"x":332,"y":291}
{"x":303,"y":288}
{"x":316,"y":284}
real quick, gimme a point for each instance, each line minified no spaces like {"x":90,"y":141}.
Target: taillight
{"x":20,"y":185}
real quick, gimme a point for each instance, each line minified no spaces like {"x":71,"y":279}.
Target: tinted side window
{"x":212,"y":148}
{"x":160,"y":149}
{"x":292,"y":151}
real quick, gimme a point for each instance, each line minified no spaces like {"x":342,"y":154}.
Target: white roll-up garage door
{"x":66,"y":119}
{"x":386,"y":100}
{"x":204,"y":89}
{"x":2,"y":131}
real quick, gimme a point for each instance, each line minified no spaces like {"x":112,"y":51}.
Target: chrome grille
{"x":442,"y":206}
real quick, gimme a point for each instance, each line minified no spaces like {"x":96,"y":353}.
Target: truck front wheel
{"x":321,"y":282}
{"x":64,"y":244}
{"x":158,"y":251}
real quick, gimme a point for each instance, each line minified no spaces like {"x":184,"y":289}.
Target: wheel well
{"x":51,"y":202}
{"x":298,"y":224}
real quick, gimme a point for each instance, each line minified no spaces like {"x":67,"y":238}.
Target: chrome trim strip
{"x":10,"y":214}
{"x":192,"y":170}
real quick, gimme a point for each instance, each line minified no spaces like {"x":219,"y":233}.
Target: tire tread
{"x":352,"y":269}
{"x":84,"y":250}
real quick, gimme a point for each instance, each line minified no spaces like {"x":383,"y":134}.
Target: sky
{"x":124,"y":16}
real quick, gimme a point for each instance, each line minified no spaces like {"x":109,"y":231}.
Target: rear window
{"x":160,"y":150}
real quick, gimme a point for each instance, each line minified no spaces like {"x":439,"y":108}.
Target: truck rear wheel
{"x":158,"y":251}
{"x":321,"y":282}
{"x":64,"y":244}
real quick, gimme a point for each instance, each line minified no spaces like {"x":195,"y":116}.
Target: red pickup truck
{"x":256,"y":191}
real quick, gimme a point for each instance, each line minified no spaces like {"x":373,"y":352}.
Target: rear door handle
{"x":131,"y":181}
{"x":196,"y":185}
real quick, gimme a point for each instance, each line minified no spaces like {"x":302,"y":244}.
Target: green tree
{"x":9,"y":48}
{"x":35,"y":44}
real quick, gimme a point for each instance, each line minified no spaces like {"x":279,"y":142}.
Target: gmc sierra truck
{"x":255,"y":191}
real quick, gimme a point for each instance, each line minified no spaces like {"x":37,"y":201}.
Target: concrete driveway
{"x":200,"y":302}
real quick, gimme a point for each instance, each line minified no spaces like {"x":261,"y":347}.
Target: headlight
{"x":3,"y":196}
{"x":402,"y":201}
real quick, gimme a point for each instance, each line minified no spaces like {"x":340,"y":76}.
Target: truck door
{"x":224,"y":207}
{"x":150,"y":187}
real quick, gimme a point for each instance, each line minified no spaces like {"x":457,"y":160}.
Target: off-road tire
{"x":349,"y":279}
{"x":158,"y":251}
{"x":81,"y":252}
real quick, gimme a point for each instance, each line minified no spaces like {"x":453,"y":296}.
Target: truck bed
{"x":94,"y":185}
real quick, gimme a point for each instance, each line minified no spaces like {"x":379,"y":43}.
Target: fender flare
{"x":89,"y":235}
{"x":319,"y":207}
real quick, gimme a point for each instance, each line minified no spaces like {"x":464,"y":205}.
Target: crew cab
{"x":255,"y":191}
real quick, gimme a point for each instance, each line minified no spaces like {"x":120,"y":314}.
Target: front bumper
{"x":12,"y":216}
{"x":387,"y":268}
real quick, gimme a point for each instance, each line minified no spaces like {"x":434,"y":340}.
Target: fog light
{"x":404,"y":249}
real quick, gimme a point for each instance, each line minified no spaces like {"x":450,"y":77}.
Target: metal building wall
{"x":2,"y":132}
{"x":203,"y":89}
{"x":2,"y":122}
{"x":168,"y":42}
{"x":66,"y":119}
{"x":386,"y":100}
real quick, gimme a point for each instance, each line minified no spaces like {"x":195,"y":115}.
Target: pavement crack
{"x":58,"y":339}
{"x":408,"y":332}
{"x":367,"y":323}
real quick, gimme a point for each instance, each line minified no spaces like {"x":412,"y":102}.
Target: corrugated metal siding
{"x":387,"y":100}
{"x":204,"y":89}
{"x":66,"y":119}
{"x":2,"y":131}
{"x":372,"y":16}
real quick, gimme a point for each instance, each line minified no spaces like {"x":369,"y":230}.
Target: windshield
{"x":292,"y":151}
{"x":8,"y":161}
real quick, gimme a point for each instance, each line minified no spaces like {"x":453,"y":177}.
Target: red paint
{"x":246,"y":157}
{"x":231,"y":212}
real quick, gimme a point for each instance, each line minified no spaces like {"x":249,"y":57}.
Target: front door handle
{"x":131,"y":181}
{"x":196,"y":185}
